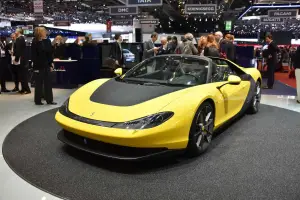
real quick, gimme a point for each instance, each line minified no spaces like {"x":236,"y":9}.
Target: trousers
{"x":43,"y":86}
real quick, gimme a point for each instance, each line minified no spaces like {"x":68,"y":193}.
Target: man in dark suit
{"x":272,"y":60}
{"x":149,"y":49}
{"x":14,"y":68}
{"x":3,"y":66}
{"x":116,"y":51}
{"x":19,"y":59}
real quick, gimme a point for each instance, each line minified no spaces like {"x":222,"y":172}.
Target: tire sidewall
{"x":192,"y":148}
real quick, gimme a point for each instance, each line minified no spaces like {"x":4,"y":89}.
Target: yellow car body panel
{"x":173,"y":133}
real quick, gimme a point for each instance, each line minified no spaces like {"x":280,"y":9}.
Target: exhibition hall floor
{"x":271,"y":160}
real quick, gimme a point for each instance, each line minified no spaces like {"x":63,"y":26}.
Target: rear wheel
{"x":202,"y":130}
{"x":255,"y":102}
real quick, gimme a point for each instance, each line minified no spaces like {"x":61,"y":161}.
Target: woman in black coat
{"x":42,"y":58}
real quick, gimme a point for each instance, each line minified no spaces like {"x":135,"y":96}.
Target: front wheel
{"x":201,"y":130}
{"x":255,"y":102}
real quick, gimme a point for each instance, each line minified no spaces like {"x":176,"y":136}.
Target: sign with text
{"x":271,"y":20}
{"x":144,"y":2}
{"x":122,"y":22}
{"x":123,"y":10}
{"x":200,"y":8}
{"x":38,"y":6}
{"x":283,"y":13}
{"x":149,"y":21}
{"x":62,"y":23}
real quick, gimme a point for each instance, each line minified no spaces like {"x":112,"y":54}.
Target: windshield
{"x":169,"y":70}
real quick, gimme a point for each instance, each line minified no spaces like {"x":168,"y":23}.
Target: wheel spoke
{"x":203,"y":132}
{"x":207,"y":117}
{"x":199,"y":140}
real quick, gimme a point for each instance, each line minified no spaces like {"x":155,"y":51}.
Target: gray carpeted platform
{"x":258,"y":157}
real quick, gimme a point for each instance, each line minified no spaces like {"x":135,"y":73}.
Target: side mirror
{"x":118,"y":71}
{"x":234,"y":80}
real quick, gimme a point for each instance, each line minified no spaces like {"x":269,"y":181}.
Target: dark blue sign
{"x":123,"y":10}
{"x":122,"y":22}
{"x":271,"y":20}
{"x":201,"y":9}
{"x":149,"y":21}
{"x":144,"y":2}
{"x":283,"y":13}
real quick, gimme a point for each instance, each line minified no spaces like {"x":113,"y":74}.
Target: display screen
{"x":228,"y":25}
{"x":131,"y":52}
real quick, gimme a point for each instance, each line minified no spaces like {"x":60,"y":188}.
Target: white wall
{"x":92,"y":28}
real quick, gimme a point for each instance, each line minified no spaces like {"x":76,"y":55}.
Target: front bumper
{"x":169,"y":136}
{"x":113,"y":151}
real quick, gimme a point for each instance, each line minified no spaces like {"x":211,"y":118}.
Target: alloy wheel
{"x":204,"y":127}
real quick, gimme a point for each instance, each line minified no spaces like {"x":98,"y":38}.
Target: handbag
{"x":110,"y":62}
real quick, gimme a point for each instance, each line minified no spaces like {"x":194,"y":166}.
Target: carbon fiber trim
{"x":64,"y":111}
{"x":112,"y":151}
{"x":250,"y":95}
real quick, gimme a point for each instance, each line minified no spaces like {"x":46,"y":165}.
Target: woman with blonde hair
{"x":202,"y":44}
{"x":59,"y":47}
{"x":212,"y":47}
{"x":41,"y":55}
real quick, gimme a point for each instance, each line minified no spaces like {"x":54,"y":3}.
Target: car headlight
{"x":146,"y":122}
{"x":65,"y":107}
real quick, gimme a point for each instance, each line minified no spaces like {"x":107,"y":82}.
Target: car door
{"x":234,"y":96}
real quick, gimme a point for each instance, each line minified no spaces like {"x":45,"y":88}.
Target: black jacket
{"x":272,"y":51}
{"x":228,"y":48}
{"x":297,"y":58}
{"x":116,"y":53}
{"x":211,"y":51}
{"x":20,"y":50}
{"x":59,"y":51}
{"x":41,"y":54}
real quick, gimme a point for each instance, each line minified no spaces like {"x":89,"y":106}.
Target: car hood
{"x":114,"y":101}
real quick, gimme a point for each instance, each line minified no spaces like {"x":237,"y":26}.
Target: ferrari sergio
{"x":168,"y":103}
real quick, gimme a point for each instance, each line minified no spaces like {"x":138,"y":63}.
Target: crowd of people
{"x":15,"y":57}
{"x":214,"y":45}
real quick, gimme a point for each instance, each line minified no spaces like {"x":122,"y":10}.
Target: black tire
{"x":201,"y":130}
{"x":255,"y":102}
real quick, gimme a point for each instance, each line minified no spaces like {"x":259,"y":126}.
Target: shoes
{"x":39,"y":104}
{"x":25,"y":92}
{"x":266,"y":87}
{"x":298,"y":101}
{"x":5,"y":90}
{"x":15,"y":90}
{"x":52,"y":103}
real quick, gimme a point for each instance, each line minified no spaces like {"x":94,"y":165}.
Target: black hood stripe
{"x":117,"y":93}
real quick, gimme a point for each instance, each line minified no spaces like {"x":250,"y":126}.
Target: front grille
{"x":109,"y":150}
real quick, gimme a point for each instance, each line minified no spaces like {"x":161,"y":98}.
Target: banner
{"x":283,"y":13}
{"x":108,"y":26}
{"x":123,"y":10}
{"x":271,"y":20}
{"x":144,"y":2}
{"x":200,"y":9}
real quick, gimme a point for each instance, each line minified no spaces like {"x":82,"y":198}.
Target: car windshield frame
{"x":173,"y":57}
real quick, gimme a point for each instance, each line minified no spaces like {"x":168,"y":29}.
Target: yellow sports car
{"x":165,"y":104}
